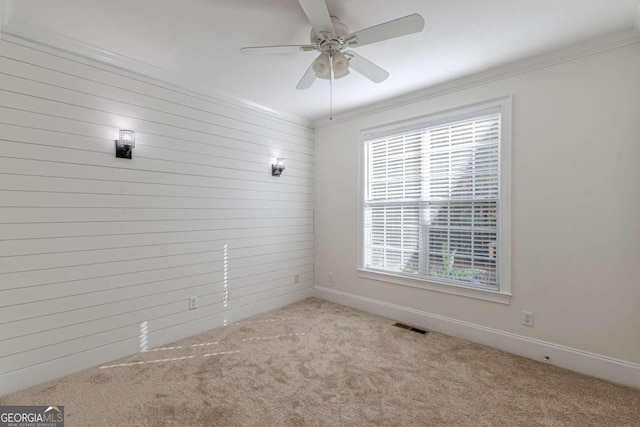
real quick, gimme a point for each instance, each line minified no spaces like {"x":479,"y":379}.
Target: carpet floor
{"x":320,"y":364}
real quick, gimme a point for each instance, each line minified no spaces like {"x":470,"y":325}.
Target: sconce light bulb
{"x":340,"y":65}
{"x":321,"y":66}
{"x":128,"y":136}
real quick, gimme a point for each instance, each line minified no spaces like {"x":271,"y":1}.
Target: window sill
{"x":482,"y":294}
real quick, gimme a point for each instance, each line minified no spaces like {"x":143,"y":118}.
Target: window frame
{"x":503,"y":295}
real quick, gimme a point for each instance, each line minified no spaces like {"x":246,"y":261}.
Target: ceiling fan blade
{"x":366,"y":68}
{"x":307,"y":80}
{"x":397,"y":28}
{"x":317,"y":14}
{"x":278,"y":49}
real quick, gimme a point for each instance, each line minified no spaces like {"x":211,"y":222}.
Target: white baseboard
{"x":20,"y":379}
{"x":610,"y":369}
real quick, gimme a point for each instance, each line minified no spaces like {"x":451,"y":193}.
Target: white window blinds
{"x":431,"y":202}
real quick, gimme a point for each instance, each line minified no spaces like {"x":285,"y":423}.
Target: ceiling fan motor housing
{"x":330,"y":47}
{"x":323,"y":40}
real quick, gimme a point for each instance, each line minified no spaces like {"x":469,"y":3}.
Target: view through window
{"x":432,"y":197}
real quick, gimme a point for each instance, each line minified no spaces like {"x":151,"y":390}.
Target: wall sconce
{"x":125,"y":144}
{"x":278,"y":167}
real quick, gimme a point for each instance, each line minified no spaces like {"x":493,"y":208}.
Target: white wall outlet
{"x":331,"y":277}
{"x":527,"y":318}
{"x":296,"y":278}
{"x":193,"y":303}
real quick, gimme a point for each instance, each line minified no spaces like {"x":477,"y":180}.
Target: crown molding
{"x":23,"y":33}
{"x":558,"y":56}
{"x":6,"y":13}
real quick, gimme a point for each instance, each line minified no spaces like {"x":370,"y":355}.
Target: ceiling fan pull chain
{"x":331,"y":86}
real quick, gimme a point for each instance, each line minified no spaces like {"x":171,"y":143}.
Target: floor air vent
{"x":411,"y":328}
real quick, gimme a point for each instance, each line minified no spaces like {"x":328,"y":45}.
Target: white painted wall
{"x":91,"y":246}
{"x":575,"y":207}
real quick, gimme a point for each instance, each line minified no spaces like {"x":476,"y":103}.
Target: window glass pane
{"x":394,"y":166}
{"x":432,"y":198}
{"x":393,"y":238}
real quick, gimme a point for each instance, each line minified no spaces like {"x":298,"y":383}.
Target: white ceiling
{"x":199,"y":40}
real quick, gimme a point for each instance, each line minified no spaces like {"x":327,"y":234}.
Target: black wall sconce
{"x":125,"y":144}
{"x":278,"y":167}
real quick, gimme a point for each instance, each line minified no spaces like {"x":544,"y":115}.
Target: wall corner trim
{"x":558,"y":56}
{"x":607,"y":368}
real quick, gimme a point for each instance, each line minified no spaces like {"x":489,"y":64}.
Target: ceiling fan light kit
{"x":322,"y":66}
{"x":332,"y":39}
{"x":340,"y":63}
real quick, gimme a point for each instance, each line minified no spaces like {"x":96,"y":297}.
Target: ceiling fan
{"x":332,"y":39}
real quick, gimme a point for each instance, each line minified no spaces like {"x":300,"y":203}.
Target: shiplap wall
{"x":91,"y":246}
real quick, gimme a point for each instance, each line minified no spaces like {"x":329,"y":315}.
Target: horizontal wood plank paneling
{"x":233,"y":161}
{"x":119,"y":173}
{"x":95,"y":186}
{"x":63,"y":334}
{"x":219,"y":147}
{"x":164,"y":316}
{"x":53,"y":245}
{"x":21,"y":150}
{"x":91,"y":245}
{"x":21,"y":98}
{"x":104,"y":353}
{"x":20,"y":79}
{"x":69,"y":229}
{"x":99,"y":311}
{"x":71,"y":65}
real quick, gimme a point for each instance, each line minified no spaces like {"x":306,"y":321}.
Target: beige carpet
{"x":319,"y":364}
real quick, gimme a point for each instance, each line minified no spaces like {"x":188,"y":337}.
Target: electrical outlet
{"x":193,"y":303}
{"x":527,"y":318}
{"x":296,"y":278}
{"x":331,"y":277}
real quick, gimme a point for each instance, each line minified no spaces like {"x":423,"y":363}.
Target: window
{"x":434,"y":200}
